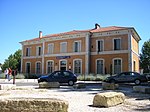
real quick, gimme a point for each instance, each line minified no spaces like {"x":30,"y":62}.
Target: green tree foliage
{"x":145,"y":57}
{"x":13,"y":61}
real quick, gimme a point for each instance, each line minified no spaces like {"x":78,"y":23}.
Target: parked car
{"x":59,"y":76}
{"x":125,"y":77}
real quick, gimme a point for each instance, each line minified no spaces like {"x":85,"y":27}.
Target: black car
{"x":59,"y":76}
{"x":127,"y":77}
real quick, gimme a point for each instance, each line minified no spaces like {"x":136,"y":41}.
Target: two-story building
{"x":101,"y":50}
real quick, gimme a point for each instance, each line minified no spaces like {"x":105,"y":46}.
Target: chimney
{"x":40,"y":34}
{"x":97,"y":26}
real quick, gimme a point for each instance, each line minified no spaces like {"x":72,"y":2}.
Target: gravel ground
{"x":80,"y":100}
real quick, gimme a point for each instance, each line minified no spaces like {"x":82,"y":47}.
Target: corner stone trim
{"x":33,"y":105}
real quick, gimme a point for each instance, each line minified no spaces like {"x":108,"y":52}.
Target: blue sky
{"x":23,"y":19}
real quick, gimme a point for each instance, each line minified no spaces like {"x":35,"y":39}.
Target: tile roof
{"x":101,"y":29}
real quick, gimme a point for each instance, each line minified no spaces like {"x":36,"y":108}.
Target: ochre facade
{"x":107,"y":50}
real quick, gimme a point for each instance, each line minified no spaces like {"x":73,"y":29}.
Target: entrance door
{"x":63,"y":65}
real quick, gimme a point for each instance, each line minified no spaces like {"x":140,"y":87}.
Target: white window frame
{"x":37,"y":51}
{"x":66,"y":63}
{"x":26,"y":66}
{"x":103,"y":64}
{"x":29,"y":51}
{"x":47,"y":65}
{"x":63,"y":49}
{"x":51,"y":48}
{"x":113,"y":64}
{"x":36,"y":67}
{"x":97,"y":45}
{"x":74,"y":65}
{"x":114,"y":43}
{"x":79,"y":46}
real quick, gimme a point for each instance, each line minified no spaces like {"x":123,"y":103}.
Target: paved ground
{"x":80,"y":100}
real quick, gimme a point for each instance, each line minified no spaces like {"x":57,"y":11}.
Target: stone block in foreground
{"x":109,"y":86}
{"x":108,"y":99}
{"x":7,"y":86}
{"x":33,"y":105}
{"x":79,"y":86}
{"x":142,"y":89}
{"x":49,"y":85}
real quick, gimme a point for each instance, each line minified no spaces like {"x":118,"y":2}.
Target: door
{"x":63,"y":65}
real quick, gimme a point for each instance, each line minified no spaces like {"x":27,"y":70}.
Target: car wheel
{"x":112,"y":81}
{"x":137,"y":81}
{"x":70,"y":83}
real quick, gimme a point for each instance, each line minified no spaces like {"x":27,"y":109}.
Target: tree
{"x":145,"y":57}
{"x":13,"y":61}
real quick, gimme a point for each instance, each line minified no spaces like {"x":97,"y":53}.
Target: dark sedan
{"x":127,"y":77}
{"x":59,"y":76}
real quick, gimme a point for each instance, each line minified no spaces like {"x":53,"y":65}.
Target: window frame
{"x":74,"y":65}
{"x":63,"y":49}
{"x":79,"y":46}
{"x":38,"y":51}
{"x":101,"y":49}
{"x":103,"y":65}
{"x":116,"y":45}
{"x":114,"y":65}
{"x":28,"y":51}
{"x":39,"y":72}
{"x":47,"y":66}
{"x":50,"y":48}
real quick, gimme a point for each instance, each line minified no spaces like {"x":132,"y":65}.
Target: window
{"x":38,"y":50}
{"x":117,"y":44}
{"x":117,"y":66}
{"x":77,"y":46}
{"x":63,"y":47}
{"x":28,"y":51}
{"x":100,"y":66}
{"x":28,"y":67}
{"x":50,"y":48}
{"x":77,"y":66}
{"x":38,"y":68}
{"x":134,"y":66}
{"x":100,"y":45}
{"x":50,"y":66}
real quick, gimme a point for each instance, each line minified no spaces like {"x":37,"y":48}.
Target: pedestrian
{"x":6,"y":73}
{"x":9,"y":74}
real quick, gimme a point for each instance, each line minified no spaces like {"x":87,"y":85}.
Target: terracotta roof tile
{"x":101,"y":29}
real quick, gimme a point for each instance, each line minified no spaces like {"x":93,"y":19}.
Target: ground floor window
{"x":50,"y":66}
{"x":117,"y":66}
{"x":28,"y":67}
{"x":100,"y":66}
{"x":77,"y":66}
{"x":38,"y":67}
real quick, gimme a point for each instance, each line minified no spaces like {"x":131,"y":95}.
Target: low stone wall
{"x":79,"y":86}
{"x":108,"y":99}
{"x":7,"y":86}
{"x":109,"y":86}
{"x":142,"y":89}
{"x":33,"y":105}
{"x":49,"y":85}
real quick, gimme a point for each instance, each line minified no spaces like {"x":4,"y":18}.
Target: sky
{"x":22,"y":20}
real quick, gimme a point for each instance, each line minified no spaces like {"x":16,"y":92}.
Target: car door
{"x":56,"y":76}
{"x":121,"y":77}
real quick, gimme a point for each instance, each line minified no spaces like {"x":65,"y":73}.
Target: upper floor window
{"x":100,"y":45}
{"x":38,"y":50}
{"x":117,"y":44}
{"x":28,"y":51}
{"x":50,"y":48}
{"x":63,"y":47}
{"x":77,"y":46}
